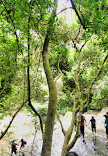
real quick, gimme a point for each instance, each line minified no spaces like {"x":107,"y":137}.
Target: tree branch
{"x":28,"y":79}
{"x":74,"y":7}
{"x":59,"y":13}
{"x":93,"y":81}
{"x":8,"y":14}
{"x":40,"y":118}
{"x":3,"y":133}
{"x":58,"y":117}
{"x":75,"y":46}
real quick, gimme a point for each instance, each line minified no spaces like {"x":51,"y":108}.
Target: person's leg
{"x":95,"y":130}
{"x":107,"y":133}
{"x":92,"y":130}
{"x":15,"y":151}
{"x":80,"y":130}
{"x":11,"y":152}
{"x":83,"y":133}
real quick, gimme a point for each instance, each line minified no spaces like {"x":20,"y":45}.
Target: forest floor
{"x":23,"y":127}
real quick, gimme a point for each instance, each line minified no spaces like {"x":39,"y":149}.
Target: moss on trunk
{"x":47,"y":139}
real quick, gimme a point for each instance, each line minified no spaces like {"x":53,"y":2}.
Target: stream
{"x":94,"y":146}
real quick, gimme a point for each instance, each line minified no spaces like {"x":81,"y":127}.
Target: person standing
{"x":106,"y":125}
{"x":93,"y":125}
{"x":83,"y":121}
{"x":13,"y":148}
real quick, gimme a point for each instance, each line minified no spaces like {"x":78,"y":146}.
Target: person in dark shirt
{"x":106,"y":125}
{"x":23,"y":143}
{"x":106,"y":115}
{"x":93,"y":125}
{"x":13,"y":148}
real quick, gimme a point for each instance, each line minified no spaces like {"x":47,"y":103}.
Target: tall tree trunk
{"x":47,"y":140}
{"x":52,"y":106}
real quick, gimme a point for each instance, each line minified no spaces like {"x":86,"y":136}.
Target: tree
{"x":85,"y":72}
{"x":21,"y":21}
{"x":47,"y":140}
{"x":19,"y":16}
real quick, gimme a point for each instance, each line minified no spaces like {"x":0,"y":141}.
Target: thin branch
{"x":58,"y":117}
{"x":71,"y":95}
{"x":28,"y":78}
{"x":3,"y":133}
{"x":75,"y":46}
{"x":59,"y":13}
{"x":40,"y":118}
{"x":72,"y":143}
{"x":77,"y":108}
{"x":78,"y":33}
{"x":74,"y":7}
{"x":93,"y":81}
{"x":83,"y":45}
{"x":74,"y":140}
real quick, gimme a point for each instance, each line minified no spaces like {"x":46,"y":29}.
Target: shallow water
{"x":95,"y":146}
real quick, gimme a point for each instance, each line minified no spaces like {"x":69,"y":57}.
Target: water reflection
{"x":94,"y":143}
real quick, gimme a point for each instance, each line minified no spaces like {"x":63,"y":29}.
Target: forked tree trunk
{"x":66,"y":146}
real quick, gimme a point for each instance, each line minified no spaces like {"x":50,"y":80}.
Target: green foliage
{"x":68,"y":82}
{"x":59,"y":54}
{"x":39,"y":94}
{"x":63,"y":56}
{"x":64,"y":104}
{"x":100,"y":98}
{"x":57,"y":60}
